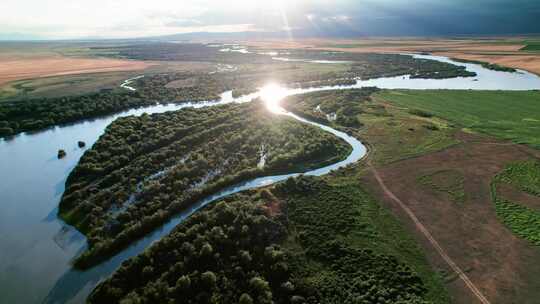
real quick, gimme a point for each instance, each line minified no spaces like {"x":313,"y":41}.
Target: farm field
{"x":513,"y":116}
{"x":12,"y":69}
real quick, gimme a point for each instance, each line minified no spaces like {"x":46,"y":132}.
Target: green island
{"x":487,"y":65}
{"x":522,"y":218}
{"x":306,"y":240}
{"x":144,"y":170}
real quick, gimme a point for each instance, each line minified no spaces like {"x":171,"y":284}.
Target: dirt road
{"x":481,"y":298}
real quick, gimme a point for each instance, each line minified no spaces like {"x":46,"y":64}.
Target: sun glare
{"x":271,"y":95}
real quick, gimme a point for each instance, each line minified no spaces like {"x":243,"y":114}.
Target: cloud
{"x":183,"y":23}
{"x":311,"y":17}
{"x":139,"y":18}
{"x":337,"y":19}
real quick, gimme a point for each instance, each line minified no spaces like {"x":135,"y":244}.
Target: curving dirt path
{"x":429,"y":237}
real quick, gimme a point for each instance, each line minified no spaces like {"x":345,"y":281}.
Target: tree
{"x":262,"y":288}
{"x":297,"y":300}
{"x":131,"y":298}
{"x":147,"y":272}
{"x":245,"y":299}
{"x":209,"y":279}
{"x":183,"y":283}
{"x":206,"y":250}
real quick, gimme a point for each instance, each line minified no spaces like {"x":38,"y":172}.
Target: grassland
{"x":532,"y":46}
{"x":393,"y":133}
{"x":448,"y":182}
{"x":520,"y":218}
{"x":508,"y":115}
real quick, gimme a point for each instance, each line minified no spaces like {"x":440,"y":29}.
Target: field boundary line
{"x":430,"y":238}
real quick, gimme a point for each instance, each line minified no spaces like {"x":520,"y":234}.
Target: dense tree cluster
{"x":35,"y":114}
{"x":343,"y":106}
{"x":145,"y":169}
{"x":228,"y":253}
{"x":283,"y":245}
{"x":155,"y":87}
{"x":331,"y":267}
{"x":166,"y":51}
{"x":487,"y":65}
{"x":326,"y":83}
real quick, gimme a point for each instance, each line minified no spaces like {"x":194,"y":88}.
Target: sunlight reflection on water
{"x":272,"y":94}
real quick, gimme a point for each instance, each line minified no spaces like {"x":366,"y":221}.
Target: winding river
{"x":36,"y":247}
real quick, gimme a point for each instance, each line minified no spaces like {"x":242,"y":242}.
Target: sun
{"x":272,"y":94}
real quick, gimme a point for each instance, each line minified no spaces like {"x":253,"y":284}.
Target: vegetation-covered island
{"x":145,"y":169}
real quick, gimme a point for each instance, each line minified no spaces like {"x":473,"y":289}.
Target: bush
{"x":420,"y":113}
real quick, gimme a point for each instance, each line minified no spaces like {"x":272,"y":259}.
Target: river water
{"x":36,"y":247}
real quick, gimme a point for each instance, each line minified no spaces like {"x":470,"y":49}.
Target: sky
{"x":72,"y":19}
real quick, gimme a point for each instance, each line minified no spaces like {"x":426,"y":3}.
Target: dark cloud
{"x":417,"y":17}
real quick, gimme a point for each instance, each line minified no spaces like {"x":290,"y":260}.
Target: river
{"x":36,"y":247}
